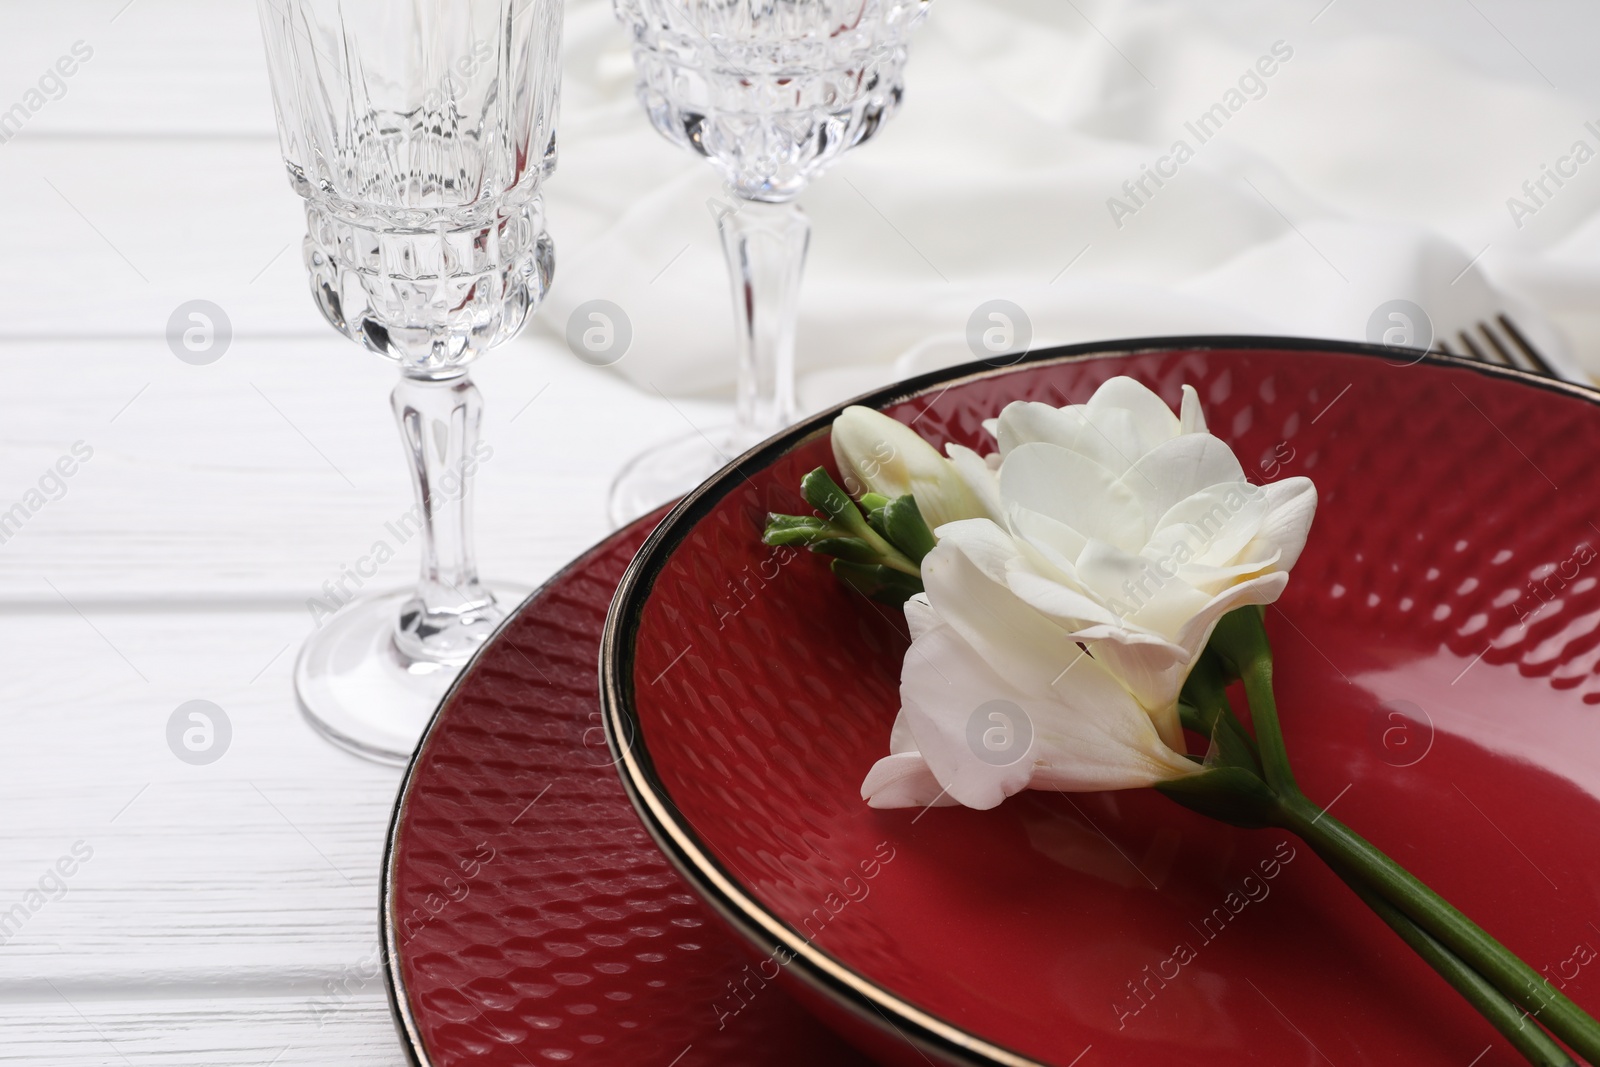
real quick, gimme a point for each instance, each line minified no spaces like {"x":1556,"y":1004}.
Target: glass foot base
{"x":360,"y":692}
{"x":669,"y":470}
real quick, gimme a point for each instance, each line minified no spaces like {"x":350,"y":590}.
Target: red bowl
{"x":1437,"y":650}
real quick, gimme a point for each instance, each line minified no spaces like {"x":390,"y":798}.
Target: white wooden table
{"x":226,"y":913}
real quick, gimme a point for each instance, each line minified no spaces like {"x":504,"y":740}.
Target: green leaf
{"x":851,"y":549}
{"x":871,"y":502}
{"x":795,"y":530}
{"x":906,"y":529}
{"x":875,"y":520}
{"x":880,"y":583}
{"x":824,"y":494}
{"x":1203,"y":707}
{"x":1230,"y":794}
{"x":1232,"y":747}
{"x":846,"y":521}
{"x":784,"y":522}
{"x":1240,"y":640}
{"x":1205,"y":693}
{"x":1193,"y":718}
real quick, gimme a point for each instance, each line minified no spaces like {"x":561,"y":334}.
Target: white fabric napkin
{"x":1338,"y":169}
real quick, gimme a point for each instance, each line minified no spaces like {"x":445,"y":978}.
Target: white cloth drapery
{"x":1327,"y":168}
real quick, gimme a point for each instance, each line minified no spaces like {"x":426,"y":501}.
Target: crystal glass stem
{"x":766,"y":248}
{"x":451,"y":613}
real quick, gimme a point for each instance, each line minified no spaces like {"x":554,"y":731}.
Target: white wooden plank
{"x":233,"y":1032}
{"x":156,"y":67}
{"x":265,"y":473}
{"x":233,"y":885}
{"x":257,"y":871}
{"x":118,"y":233}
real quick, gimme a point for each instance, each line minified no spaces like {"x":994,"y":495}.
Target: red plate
{"x":1438,"y":650}
{"x":527,"y":917}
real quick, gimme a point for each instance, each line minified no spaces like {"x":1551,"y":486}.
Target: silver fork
{"x":1499,"y":341}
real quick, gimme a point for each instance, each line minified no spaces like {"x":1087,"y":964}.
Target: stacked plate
{"x":1437,"y":653}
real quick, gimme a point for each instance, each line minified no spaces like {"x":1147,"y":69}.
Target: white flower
{"x":1137,"y":531}
{"x":996,"y":698}
{"x":1119,"y":527}
{"x":877,"y":454}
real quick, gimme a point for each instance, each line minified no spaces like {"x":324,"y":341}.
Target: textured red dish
{"x":527,"y":917}
{"x":753,"y":693}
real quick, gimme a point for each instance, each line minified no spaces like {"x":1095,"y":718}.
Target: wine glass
{"x":771,"y":92}
{"x":419,"y":133}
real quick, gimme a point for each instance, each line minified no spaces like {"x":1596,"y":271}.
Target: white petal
{"x":1154,"y":675}
{"x":1153,"y":421}
{"x":1263,"y":590}
{"x":1018,"y":642}
{"x":981,"y":479}
{"x":944,"y":685}
{"x":988,"y":546}
{"x":944,"y":498}
{"x":1068,"y":606}
{"x":920,"y":616}
{"x":1026,"y":422}
{"x":1214,"y":525}
{"x":875,"y":452}
{"x":1045,"y":539}
{"x":878,"y":454}
{"x":1111,"y":441}
{"x":1138,"y":593}
{"x":903,"y":780}
{"x":1137,"y":760}
{"x":1178,"y":469}
{"x":1074,"y":490}
{"x":1083,"y":733}
{"x":1191,"y":416}
{"x":901,"y":739}
{"x":1215,"y":581}
{"x":1291,"y":505}
{"x":1167,"y":612}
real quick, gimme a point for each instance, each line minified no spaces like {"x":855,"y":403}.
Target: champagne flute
{"x":771,"y":92}
{"x":419,"y":133}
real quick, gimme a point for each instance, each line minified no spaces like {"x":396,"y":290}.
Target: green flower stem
{"x":822,"y":493}
{"x":1257,"y":678}
{"x":897,"y":562}
{"x":1203,"y":707}
{"x":888,"y":555}
{"x":1204,"y":699}
{"x":1497,"y":964}
{"x":1504,"y":1015}
{"x":1241,"y":640}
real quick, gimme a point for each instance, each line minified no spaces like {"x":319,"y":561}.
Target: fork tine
{"x":1538,"y":362}
{"x":1474,"y":352}
{"x":1500,"y":348}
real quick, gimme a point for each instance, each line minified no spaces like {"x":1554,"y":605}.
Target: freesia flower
{"x":1122,"y":529}
{"x":1136,"y":530}
{"x":996,"y":698}
{"x":877,"y":454}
